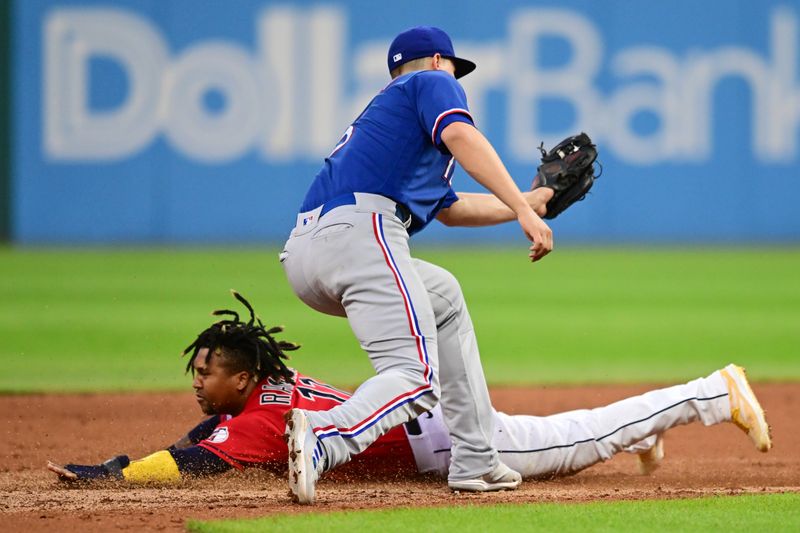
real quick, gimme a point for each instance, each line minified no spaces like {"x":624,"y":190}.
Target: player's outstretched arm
{"x":478,"y":158}
{"x":475,"y":209}
{"x":181,"y":458}
{"x":165,"y":466}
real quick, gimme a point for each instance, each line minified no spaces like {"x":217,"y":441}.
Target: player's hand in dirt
{"x":62,"y":473}
{"x":111,"y":469}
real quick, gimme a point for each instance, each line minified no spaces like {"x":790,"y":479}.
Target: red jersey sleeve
{"x":249,"y":439}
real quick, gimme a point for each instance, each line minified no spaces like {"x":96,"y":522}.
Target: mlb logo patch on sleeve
{"x":219,"y":435}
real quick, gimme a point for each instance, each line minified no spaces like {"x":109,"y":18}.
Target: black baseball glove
{"x":568,"y":169}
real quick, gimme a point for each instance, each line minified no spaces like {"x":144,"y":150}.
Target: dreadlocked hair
{"x":246,"y":346}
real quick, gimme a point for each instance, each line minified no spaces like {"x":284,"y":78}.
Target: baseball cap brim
{"x":463,"y":66}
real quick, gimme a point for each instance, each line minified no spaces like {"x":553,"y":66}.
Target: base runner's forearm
{"x":169,"y":466}
{"x":159,"y":467}
{"x":164,"y":466}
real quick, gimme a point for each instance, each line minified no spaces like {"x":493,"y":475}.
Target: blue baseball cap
{"x":425,"y":41}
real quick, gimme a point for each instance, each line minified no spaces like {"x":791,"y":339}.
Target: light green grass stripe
{"x":774,"y":513}
{"x":117,"y":319}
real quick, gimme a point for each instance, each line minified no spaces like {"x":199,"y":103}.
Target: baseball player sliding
{"x":240,"y":379}
{"x":348,"y":255}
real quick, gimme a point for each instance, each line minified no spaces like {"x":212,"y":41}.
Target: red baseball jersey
{"x":255,"y":437}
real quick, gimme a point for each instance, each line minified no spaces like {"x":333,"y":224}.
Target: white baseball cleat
{"x":501,"y":478}
{"x":746,"y":412}
{"x":650,"y":460}
{"x":306,"y":457}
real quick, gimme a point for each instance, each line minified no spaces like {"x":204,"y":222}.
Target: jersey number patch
{"x":348,"y":134}
{"x":311,"y":389}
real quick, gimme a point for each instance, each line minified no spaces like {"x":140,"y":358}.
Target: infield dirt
{"x":90,"y":428}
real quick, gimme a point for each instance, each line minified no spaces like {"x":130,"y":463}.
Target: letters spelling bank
{"x":289,"y":103}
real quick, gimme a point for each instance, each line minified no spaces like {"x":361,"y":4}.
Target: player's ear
{"x":242,"y":379}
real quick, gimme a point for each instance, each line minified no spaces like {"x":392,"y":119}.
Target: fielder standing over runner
{"x":387,"y":178}
{"x":242,"y":381}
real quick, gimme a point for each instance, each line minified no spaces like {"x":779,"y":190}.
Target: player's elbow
{"x":445,"y":216}
{"x":460,"y":213}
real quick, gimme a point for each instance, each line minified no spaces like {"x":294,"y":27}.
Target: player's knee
{"x":426,"y":382}
{"x":428,"y":401}
{"x":451,"y":288}
{"x":445,"y":295}
{"x":436,"y":391}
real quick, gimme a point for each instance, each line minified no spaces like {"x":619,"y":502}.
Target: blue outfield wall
{"x":154,"y":121}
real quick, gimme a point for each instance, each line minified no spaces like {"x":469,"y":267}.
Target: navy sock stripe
{"x":557,"y":446}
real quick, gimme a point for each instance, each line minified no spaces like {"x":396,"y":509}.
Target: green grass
{"x":117,"y":319}
{"x":774,"y":513}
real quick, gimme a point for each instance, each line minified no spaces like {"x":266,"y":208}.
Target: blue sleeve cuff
{"x":444,"y":120}
{"x":198,"y":461}
{"x":450,"y":199}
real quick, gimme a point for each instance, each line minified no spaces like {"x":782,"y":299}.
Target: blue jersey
{"x":394,"y":148}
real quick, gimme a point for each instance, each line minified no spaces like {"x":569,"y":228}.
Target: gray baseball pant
{"x":410,"y":318}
